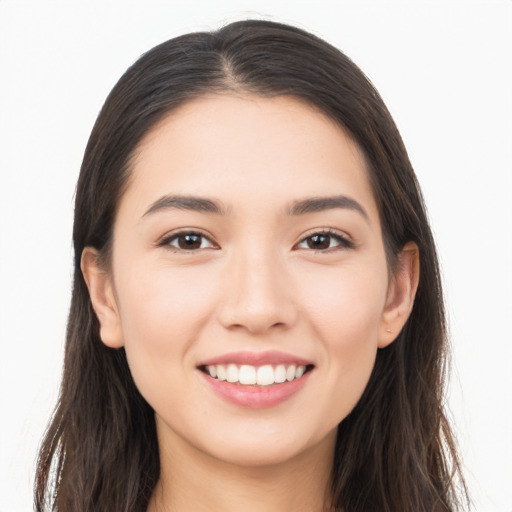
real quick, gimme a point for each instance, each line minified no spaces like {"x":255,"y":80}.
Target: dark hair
{"x":395,"y":451}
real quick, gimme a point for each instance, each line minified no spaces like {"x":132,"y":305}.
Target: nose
{"x":258,"y":295}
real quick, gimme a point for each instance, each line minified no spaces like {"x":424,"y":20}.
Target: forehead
{"x":248,"y":148}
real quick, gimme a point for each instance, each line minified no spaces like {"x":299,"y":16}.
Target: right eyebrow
{"x":191,"y":203}
{"x":318,"y":204}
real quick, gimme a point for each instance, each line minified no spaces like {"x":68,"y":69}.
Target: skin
{"x":253,"y":284}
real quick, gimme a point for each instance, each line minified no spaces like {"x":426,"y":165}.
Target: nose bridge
{"x":257,"y":297}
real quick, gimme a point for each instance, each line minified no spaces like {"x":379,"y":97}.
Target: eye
{"x":325,"y":240}
{"x":188,"y":241}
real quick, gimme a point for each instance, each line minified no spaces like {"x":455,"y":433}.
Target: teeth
{"x":247,"y":374}
{"x":232,"y":373}
{"x":221,"y":372}
{"x":262,"y":376}
{"x":300,"y":372}
{"x":280,"y":374}
{"x":265,"y":375}
{"x":290,"y":372}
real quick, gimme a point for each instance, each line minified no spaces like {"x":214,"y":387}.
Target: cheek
{"x":162,"y":313}
{"x":161,"y":305}
{"x":348,"y":304}
{"x":346,"y":319}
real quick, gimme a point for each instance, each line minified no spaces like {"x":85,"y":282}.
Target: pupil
{"x":319,"y":242}
{"x":189,"y":241}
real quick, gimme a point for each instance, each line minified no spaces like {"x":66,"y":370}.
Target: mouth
{"x":259,"y":376}
{"x":256,"y":380}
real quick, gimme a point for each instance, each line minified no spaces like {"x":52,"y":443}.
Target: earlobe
{"x":102,"y":296}
{"x":401,"y":294}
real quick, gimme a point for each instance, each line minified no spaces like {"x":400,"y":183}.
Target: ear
{"x":102,"y":296}
{"x":401,"y":292}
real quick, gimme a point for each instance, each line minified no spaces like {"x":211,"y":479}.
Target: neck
{"x":200,"y":483}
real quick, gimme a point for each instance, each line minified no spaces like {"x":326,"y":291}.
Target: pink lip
{"x":256,"y":359}
{"x":255,"y":397}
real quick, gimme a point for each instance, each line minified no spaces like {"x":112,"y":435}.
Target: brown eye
{"x":324,"y":241}
{"x":188,"y":241}
{"x":319,"y":242}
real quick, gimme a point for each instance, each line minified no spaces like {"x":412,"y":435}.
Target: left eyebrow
{"x":191,"y":203}
{"x":318,"y":204}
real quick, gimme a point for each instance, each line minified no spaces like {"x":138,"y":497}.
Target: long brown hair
{"x":395,"y":451}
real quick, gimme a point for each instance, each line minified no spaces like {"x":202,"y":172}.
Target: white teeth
{"x":265,"y":375}
{"x":232,"y":373}
{"x":280,"y":374}
{"x":221,"y":372}
{"x":248,"y":375}
{"x":290,"y":372}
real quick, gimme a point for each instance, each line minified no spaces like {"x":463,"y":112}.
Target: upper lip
{"x":272,"y":357}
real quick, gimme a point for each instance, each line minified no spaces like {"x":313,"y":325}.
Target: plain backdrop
{"x":444,"y":70}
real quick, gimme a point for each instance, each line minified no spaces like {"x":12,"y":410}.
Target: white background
{"x":444,"y":70}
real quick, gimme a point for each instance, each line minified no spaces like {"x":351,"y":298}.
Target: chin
{"x":254,"y":455}
{"x":268,"y":448}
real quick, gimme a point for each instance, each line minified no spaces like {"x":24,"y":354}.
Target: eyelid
{"x":165,"y":241}
{"x":345,"y":241}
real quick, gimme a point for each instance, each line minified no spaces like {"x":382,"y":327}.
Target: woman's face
{"x":247,"y":252}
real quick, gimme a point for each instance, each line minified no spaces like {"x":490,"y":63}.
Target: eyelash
{"x":343,"y":241}
{"x":166,"y":242}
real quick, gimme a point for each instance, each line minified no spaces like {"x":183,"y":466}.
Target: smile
{"x":256,"y":380}
{"x":249,"y":375}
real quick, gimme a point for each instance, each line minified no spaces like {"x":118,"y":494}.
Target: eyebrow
{"x":191,"y":203}
{"x":318,"y":204}
{"x":299,"y":207}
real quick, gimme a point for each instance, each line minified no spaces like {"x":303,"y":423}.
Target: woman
{"x":257,"y":319}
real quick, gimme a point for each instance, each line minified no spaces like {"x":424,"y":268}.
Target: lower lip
{"x":256,"y":397}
